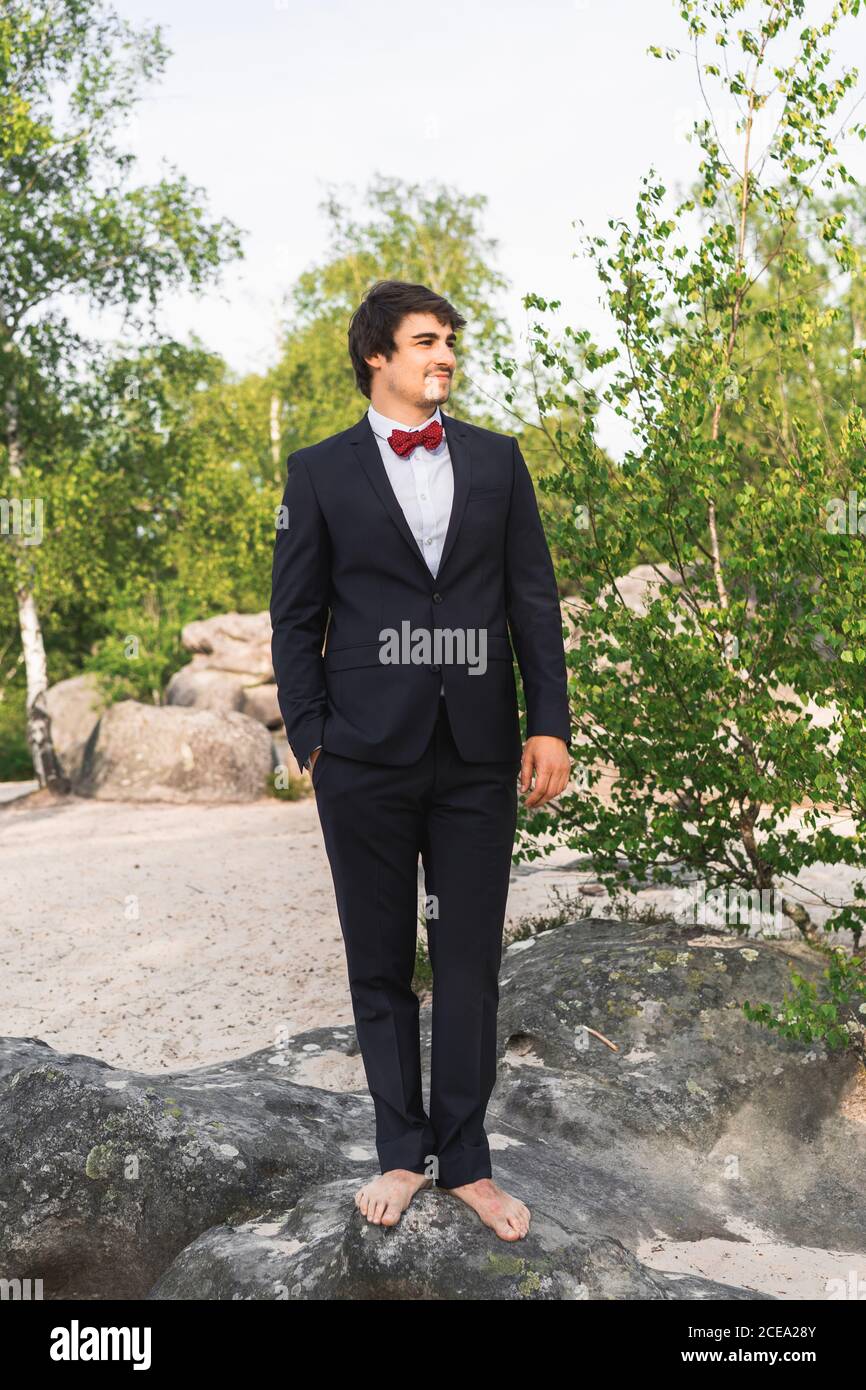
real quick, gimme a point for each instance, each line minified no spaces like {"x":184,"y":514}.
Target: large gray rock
{"x":236,"y":1180}
{"x":438,"y":1251}
{"x":261,"y":702}
{"x":204,"y":687}
{"x":233,"y":642}
{"x":231,"y":669}
{"x":74,"y":707}
{"x":106,"y":1174}
{"x":143,"y":752}
{"x":197,"y":686}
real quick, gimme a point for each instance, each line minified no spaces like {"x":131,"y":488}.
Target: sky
{"x":553,"y":111}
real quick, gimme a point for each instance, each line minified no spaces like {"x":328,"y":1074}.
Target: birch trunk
{"x":275,"y":433}
{"x":46,"y":763}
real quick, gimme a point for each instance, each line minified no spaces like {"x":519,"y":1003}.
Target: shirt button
{"x":429,"y":540}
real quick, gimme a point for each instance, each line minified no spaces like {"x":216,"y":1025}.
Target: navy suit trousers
{"x":460,"y":817}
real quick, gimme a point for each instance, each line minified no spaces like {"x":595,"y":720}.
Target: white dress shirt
{"x":423,"y":483}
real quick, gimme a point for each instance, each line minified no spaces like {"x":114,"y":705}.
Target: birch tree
{"x":735,"y":355}
{"x":73,"y":225}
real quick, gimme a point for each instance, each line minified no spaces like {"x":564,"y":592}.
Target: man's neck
{"x":403,"y":412}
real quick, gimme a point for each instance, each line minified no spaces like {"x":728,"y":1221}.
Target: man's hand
{"x":549,"y":759}
{"x":313,"y":757}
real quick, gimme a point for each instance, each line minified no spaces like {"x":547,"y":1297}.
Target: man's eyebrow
{"x":431,"y":334}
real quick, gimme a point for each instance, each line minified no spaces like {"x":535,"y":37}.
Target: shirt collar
{"x":382,"y":426}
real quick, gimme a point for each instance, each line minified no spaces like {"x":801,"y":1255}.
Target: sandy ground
{"x":753,"y":1259}
{"x":160,"y":937}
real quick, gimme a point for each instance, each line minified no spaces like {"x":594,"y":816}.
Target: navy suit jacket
{"x":346,"y":563}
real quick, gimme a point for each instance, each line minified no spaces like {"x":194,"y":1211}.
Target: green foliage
{"x":422,"y":975}
{"x":140,"y":651}
{"x":72,"y":223}
{"x":834,"y":1013}
{"x":69,"y":77}
{"x":150,"y":520}
{"x":735,"y":369}
{"x":16,"y":765}
{"x":296,"y":788}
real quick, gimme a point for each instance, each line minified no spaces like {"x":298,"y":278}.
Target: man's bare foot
{"x":384,"y":1199}
{"x":507,"y":1216}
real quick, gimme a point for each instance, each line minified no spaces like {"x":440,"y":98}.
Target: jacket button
{"x":435,"y":668}
{"x":437,"y":598}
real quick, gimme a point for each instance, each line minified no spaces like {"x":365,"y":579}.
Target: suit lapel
{"x":366,"y":446}
{"x":457,"y":436}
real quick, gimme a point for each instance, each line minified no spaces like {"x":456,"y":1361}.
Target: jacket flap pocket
{"x":365,"y":654}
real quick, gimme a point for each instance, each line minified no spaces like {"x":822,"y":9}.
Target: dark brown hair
{"x":384,"y":306}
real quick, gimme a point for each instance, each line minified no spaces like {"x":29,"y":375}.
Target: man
{"x":408,"y":532}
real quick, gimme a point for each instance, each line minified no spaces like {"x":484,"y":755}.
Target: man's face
{"x":421,"y":369}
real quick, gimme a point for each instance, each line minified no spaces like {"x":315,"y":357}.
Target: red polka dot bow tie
{"x":404,"y":441}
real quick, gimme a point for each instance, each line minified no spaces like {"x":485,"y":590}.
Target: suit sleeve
{"x":534,"y":616}
{"x":300,"y":586}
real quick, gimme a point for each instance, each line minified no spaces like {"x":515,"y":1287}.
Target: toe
{"x":506,"y":1230}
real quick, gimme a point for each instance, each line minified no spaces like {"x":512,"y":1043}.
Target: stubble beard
{"x":436,"y":389}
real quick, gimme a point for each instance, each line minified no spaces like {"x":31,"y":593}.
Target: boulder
{"x":231,"y":668}
{"x":74,"y":707}
{"x":197,"y":686}
{"x":261,"y":703}
{"x":235,"y":1181}
{"x":143,"y":752}
{"x":233,"y":642}
{"x":437,"y":1251}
